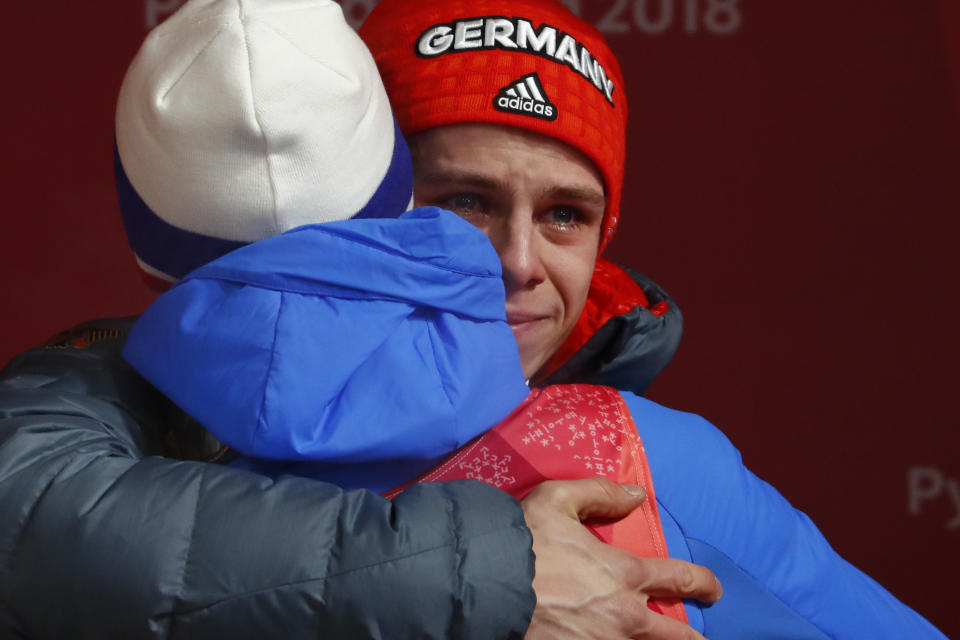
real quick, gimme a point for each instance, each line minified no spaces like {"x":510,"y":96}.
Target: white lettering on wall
{"x":654,"y":17}
{"x":649,"y":17}
{"x":928,"y":484}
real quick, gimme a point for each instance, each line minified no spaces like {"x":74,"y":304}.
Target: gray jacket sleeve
{"x":102,"y":537}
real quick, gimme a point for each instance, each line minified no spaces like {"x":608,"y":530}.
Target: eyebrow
{"x":460,"y":177}
{"x":580,"y":194}
{"x":586,"y":195}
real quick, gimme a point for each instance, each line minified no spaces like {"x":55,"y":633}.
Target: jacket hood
{"x":340,"y":343}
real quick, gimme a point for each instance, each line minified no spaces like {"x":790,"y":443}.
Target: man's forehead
{"x":448,"y":176}
{"x":480,"y":154}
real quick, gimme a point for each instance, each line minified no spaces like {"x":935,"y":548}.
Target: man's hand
{"x":588,"y":589}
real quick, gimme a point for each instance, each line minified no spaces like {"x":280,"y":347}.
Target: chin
{"x":531,"y":363}
{"x":534,"y":354}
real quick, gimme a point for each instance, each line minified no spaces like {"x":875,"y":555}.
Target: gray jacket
{"x":104,"y":535}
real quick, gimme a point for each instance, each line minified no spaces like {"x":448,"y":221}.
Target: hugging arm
{"x":101,"y":537}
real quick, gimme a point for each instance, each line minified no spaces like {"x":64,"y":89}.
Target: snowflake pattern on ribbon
{"x":581,"y":422}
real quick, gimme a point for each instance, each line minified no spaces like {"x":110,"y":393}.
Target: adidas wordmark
{"x":526,"y":97}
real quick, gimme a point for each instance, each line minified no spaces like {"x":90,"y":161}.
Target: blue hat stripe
{"x":176,"y":252}
{"x":168,"y":249}
{"x":393,"y":195}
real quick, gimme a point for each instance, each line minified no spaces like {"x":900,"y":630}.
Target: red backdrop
{"x":793,"y":180}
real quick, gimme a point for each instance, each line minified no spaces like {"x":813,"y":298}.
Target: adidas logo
{"x":526,"y":97}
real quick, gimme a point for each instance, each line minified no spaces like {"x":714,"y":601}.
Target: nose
{"x":519,"y":246}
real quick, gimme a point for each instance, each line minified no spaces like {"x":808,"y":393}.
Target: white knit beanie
{"x":242,"y":119}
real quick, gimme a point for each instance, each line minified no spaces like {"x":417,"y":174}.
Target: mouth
{"x":523,"y":321}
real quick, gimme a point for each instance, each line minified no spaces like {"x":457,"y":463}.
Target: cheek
{"x":572,"y":280}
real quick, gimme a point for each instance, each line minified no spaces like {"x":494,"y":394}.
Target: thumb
{"x":595,"y":497}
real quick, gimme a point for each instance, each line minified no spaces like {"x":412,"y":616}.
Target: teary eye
{"x":563,"y":215}
{"x":462,"y":203}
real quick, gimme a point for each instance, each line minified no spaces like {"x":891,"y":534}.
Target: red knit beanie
{"x":530,"y":64}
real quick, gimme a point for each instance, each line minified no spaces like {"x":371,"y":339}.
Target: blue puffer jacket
{"x":357,"y":352}
{"x":365,"y":376}
{"x":781,"y":578}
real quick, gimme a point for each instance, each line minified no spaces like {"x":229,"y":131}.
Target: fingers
{"x":625,"y":616}
{"x":590,"y":498}
{"x":589,"y":590}
{"x":654,"y":626}
{"x":670,"y":578}
{"x":602,"y":498}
